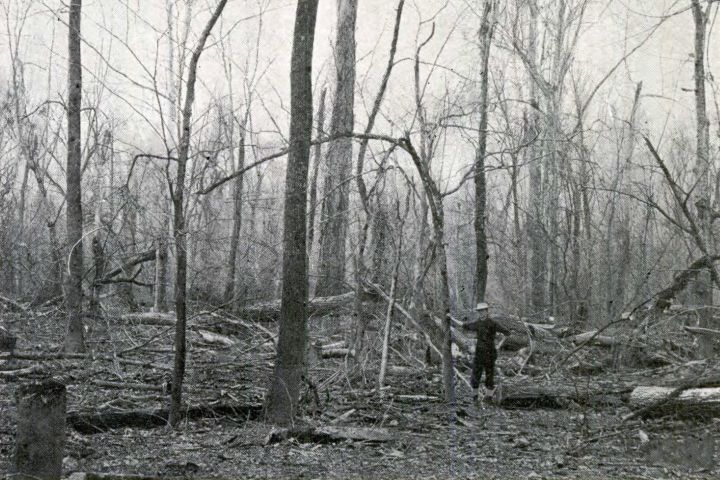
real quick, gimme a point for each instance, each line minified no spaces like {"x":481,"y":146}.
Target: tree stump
{"x":40,"y":430}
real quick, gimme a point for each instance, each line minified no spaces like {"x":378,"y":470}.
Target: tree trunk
{"x":178,"y":198}
{"x":284,"y":392}
{"x":481,"y":250}
{"x":160,"y":300}
{"x":319,"y":131}
{"x":74,"y":340}
{"x":231,"y":290}
{"x":538,"y":273}
{"x":331,"y":272}
{"x":703,"y":284}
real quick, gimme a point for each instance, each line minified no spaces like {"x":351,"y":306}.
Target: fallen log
{"x":659,"y":401}
{"x":149,"y":318}
{"x":317,"y":307}
{"x":561,"y":396}
{"x":115,"y":476}
{"x":593,"y":338}
{"x":702,"y":331}
{"x":127,"y":266}
{"x":336,"y":352}
{"x":330,"y":434}
{"x":12,"y":305}
{"x":104,"y":421}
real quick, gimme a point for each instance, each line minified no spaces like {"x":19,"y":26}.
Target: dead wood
{"x":151,"y":318}
{"x":702,"y":331}
{"x":104,"y":421}
{"x":562,"y":396}
{"x":12,"y":305}
{"x":317,"y":307}
{"x":330,"y":434}
{"x":659,"y":401}
{"x":115,"y":476}
{"x":593,"y":338}
{"x":128,"y":265}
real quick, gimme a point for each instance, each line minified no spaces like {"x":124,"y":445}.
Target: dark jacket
{"x":487,"y":329}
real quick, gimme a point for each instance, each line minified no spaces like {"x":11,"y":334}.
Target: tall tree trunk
{"x":481,"y":250}
{"x":74,"y":339}
{"x":331,"y":272}
{"x":538,"y":249}
{"x":231,"y":293}
{"x":703,"y":284}
{"x":178,"y":198}
{"x":284,"y":392}
{"x":317,"y":158}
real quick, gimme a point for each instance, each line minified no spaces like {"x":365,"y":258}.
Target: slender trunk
{"x":360,"y":270}
{"x":284,"y":392}
{"x":231,"y":293}
{"x":178,"y":198}
{"x":538,"y":273}
{"x":331,"y":271}
{"x":317,"y":158}
{"x":391,"y":303}
{"x":481,"y":251}
{"x":703,"y":284}
{"x":74,"y":340}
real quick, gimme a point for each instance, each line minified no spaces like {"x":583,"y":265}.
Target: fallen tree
{"x":330,"y":434}
{"x":127,"y":267}
{"x":317,"y":307}
{"x":104,"y":421}
{"x":659,"y":401}
{"x":562,"y":396}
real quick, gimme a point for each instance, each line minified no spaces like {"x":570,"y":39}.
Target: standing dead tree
{"x":74,"y":339}
{"x":178,"y":199}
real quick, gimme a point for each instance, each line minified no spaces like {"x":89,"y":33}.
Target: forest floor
{"x":130,"y":365}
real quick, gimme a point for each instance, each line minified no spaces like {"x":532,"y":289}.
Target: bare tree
{"x":703,"y":287}
{"x":74,"y":340}
{"x":481,"y":251}
{"x":178,"y":198}
{"x":334,"y":220}
{"x":283,"y":395}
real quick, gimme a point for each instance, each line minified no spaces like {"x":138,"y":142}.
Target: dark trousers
{"x":486,"y":364}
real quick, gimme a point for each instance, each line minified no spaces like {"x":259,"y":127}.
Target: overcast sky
{"x":126,"y":47}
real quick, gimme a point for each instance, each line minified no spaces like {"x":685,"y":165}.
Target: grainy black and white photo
{"x":367,"y":239}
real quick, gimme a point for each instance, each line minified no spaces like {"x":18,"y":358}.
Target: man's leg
{"x":477,"y":371}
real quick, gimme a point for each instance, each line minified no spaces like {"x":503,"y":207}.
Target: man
{"x":485,"y":352}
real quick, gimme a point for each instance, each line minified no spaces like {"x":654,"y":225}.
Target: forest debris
{"x":337,"y":352}
{"x":417,"y":398}
{"x":344,"y":416}
{"x":701,"y":330}
{"x":12,"y":305}
{"x":317,"y":307}
{"x":128,"y":266}
{"x":150,"y":318}
{"x":113,"y":476}
{"x":103,"y":421}
{"x":658,"y":401}
{"x":22,"y":372}
{"x":593,"y":338}
{"x":129,"y":386}
{"x":561,"y":396}
{"x":329,"y":434}
{"x":216,"y":338}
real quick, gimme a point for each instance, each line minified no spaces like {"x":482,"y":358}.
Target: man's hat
{"x":482,"y":306}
